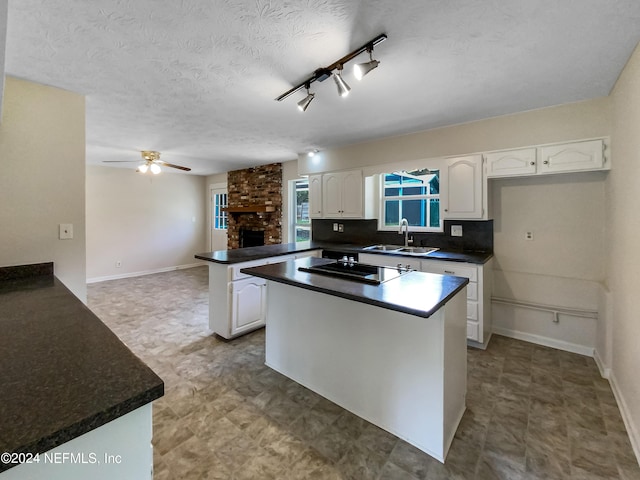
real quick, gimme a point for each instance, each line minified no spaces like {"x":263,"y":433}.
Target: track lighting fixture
{"x":304,"y":103}
{"x":343,"y":88}
{"x":321,"y":74}
{"x":361,"y":69}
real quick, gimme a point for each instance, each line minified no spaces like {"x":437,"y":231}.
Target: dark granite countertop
{"x":256,"y":253}
{"x":415,"y":293}
{"x":63,"y":372}
{"x":240,"y":255}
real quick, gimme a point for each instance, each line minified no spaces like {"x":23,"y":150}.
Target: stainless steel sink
{"x":417,"y":250}
{"x":384,"y":248}
{"x":420,"y":251}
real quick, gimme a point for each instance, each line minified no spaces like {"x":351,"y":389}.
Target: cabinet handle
{"x":532,"y":163}
{"x":546,"y":162}
{"x":446,"y":209}
{"x":449,"y":272}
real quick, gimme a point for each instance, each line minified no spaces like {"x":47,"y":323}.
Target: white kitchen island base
{"x":401,"y":372}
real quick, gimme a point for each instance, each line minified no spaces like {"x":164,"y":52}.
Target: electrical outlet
{"x":341,"y":227}
{"x":335,"y":227}
{"x":118,"y":264}
{"x":528,"y":235}
{"x":456,"y":230}
{"x":65,"y":231}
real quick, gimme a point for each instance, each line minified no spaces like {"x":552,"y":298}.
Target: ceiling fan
{"x":152,"y":162}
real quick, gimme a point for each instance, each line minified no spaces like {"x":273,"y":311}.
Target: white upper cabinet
{"x":315,"y":196}
{"x":342,"y":195}
{"x":581,"y":156}
{"x":462,"y":197}
{"x":511,"y":163}
{"x":572,"y":157}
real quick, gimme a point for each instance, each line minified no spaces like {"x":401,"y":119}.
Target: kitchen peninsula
{"x":393,"y":353}
{"x":70,"y":390}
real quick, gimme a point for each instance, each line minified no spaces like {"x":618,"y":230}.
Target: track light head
{"x":361,"y":69}
{"x":304,"y":103}
{"x":343,"y":88}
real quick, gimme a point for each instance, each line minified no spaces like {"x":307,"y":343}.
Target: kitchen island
{"x":76,"y":402}
{"x":392,"y":353}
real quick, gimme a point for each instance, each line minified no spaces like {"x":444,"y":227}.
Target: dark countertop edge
{"x":240,"y":255}
{"x":358,"y":298}
{"x":20,"y":272}
{"x":36,"y":273}
{"x":230,"y":257}
{"x":60,"y":437}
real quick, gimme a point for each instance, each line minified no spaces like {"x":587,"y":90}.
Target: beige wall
{"x":144,"y":221}
{"x":4,"y":7}
{"x":624,"y":231}
{"x":549,"y":125}
{"x":42,"y":162}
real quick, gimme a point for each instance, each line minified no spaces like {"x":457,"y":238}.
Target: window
{"x":412,"y":195}
{"x":219,"y":217}
{"x":301,"y":224}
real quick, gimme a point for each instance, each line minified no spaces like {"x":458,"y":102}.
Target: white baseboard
{"x":145,"y":272}
{"x":604,"y":370}
{"x":634,"y":436}
{"x":546,"y":341}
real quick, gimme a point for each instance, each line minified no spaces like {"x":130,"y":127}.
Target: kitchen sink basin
{"x":401,"y":249}
{"x":417,"y":250}
{"x":384,"y":248}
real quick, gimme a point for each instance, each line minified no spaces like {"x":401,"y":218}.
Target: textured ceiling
{"x":197,"y":79}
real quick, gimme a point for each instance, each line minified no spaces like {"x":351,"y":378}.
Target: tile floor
{"x":532,"y":412}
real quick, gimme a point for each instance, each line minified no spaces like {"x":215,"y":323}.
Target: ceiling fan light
{"x":343,"y":88}
{"x":361,"y":69}
{"x":143,"y":168}
{"x":304,"y":103}
{"x":155,"y":168}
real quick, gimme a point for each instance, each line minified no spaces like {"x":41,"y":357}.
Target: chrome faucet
{"x":404,"y":223}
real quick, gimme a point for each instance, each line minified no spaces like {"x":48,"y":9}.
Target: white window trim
{"x":292,"y":211}
{"x":394,"y":228}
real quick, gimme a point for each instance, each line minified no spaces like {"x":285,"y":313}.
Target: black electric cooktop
{"x":357,"y":271}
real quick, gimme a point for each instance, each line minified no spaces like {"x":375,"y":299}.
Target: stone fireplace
{"x":255,"y":204}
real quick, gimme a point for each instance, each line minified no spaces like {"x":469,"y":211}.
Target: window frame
{"x":220,"y":217}
{"x":383,"y":198}
{"x":293,"y":214}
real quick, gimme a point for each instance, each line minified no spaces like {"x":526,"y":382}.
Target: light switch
{"x":65,"y":231}
{"x":456,"y":230}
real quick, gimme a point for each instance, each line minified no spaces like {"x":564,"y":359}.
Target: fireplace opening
{"x":251,"y":238}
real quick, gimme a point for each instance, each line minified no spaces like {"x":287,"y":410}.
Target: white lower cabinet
{"x":237,"y":301}
{"x":248,"y":300}
{"x":478,"y":295}
{"x":478,"y":289}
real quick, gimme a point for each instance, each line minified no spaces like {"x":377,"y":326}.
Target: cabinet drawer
{"x":472,"y":291}
{"x":451,"y":268}
{"x":472,"y":310}
{"x":473,"y":329}
{"x":236,"y":274}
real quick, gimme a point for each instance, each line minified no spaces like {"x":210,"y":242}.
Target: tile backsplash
{"x":477,"y":235}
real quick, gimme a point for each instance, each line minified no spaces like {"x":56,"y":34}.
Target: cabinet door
{"x":572,"y":157}
{"x":463,"y":195}
{"x":248,"y":305}
{"x":352,"y":198}
{"x":315,"y":196}
{"x":511,"y":163}
{"x":332,"y":195}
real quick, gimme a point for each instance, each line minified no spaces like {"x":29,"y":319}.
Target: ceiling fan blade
{"x":186,"y":169}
